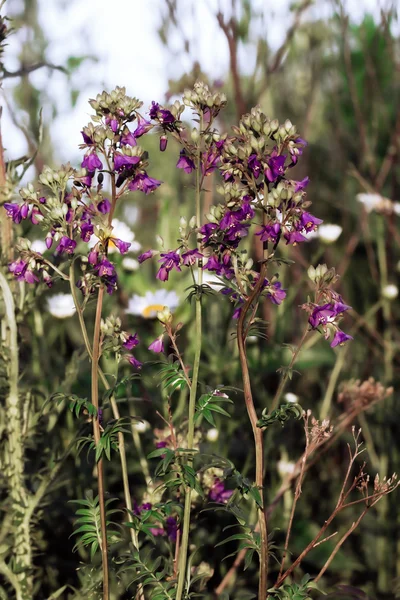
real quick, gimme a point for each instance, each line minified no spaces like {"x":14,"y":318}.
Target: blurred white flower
{"x":151,"y":303}
{"x":285,"y":467}
{"x":131,"y":214}
{"x":390,"y":291}
{"x":141,"y":426}
{"x":290,"y":397}
{"x":120,"y":231}
{"x":329,"y":232}
{"x":379,"y":203}
{"x":38,"y":246}
{"x":130,"y":264}
{"x":212,"y":434}
{"x":370,"y":201}
{"x":61,"y":306}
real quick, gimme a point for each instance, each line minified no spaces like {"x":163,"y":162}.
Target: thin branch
{"x":27,"y":69}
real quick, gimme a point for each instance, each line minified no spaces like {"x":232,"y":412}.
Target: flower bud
{"x":164,"y":315}
{"x":195,"y":134}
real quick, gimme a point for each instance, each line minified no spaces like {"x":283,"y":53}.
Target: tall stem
{"x":114,"y":407}
{"x":14,"y":456}
{"x":96,"y":433}
{"x":193,"y":391}
{"x":257,"y":433}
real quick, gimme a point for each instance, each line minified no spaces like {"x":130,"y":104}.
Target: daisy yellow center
{"x":152,"y":308}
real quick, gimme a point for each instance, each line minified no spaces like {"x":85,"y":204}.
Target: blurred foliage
{"x":339,"y":83}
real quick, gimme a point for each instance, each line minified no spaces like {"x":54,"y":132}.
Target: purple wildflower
{"x":16,"y":212}
{"x":269,"y":232}
{"x":104,"y":206}
{"x":157,"y":345}
{"x":105,"y":268}
{"x":123,"y":247}
{"x":134,"y":362}
{"x":309,"y":222}
{"x":340,"y":338}
{"x":91,"y":162}
{"x":218,"y":493}
{"x":300,"y":185}
{"x":131,"y":342}
{"x":169,"y":260}
{"x":254,"y":165}
{"x":128,"y":139}
{"x":144,"y":183}
{"x":185,"y":163}
{"x":146,"y":255}
{"x":207,"y":231}
{"x":66,"y":245}
{"x":87,"y":230}
{"x":189,"y":257}
{"x":276,"y":166}
{"x":122,"y":161}
{"x":143,"y":127}
{"x":276,"y":293}
{"x":19,"y":269}
{"x":171,"y":528}
{"x":294,"y":237}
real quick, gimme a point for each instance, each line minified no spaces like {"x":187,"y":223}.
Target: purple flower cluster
{"x":326,"y":316}
{"x":218,"y":493}
{"x":74,"y":211}
{"x":169,"y":527}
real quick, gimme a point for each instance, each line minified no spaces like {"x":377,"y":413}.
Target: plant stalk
{"x":96,"y":433}
{"x":257,"y":432}
{"x":193,"y":390}
{"x":14,"y":455}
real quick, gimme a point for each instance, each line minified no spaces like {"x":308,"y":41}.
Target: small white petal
{"x":130,"y":264}
{"x":285,"y":467}
{"x":370,"y":201}
{"x":151,"y":303}
{"x":390,"y":291}
{"x":290,"y":397}
{"x":329,"y":233}
{"x":38,"y":246}
{"x":212,"y":434}
{"x":61,"y":306}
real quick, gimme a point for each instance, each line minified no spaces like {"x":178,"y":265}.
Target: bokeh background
{"x":333,"y":69}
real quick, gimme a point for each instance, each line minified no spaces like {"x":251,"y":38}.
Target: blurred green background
{"x":333,"y":70}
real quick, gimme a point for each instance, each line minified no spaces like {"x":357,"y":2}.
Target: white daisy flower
{"x":151,"y":303}
{"x":120,"y":231}
{"x":329,"y":232}
{"x":61,"y":306}
{"x":38,"y":246}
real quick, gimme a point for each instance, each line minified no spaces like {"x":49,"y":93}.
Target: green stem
{"x":285,"y":378}
{"x":386,"y":308}
{"x":96,"y":433}
{"x":114,"y":407}
{"x":14,"y":459}
{"x":257,"y":433}
{"x":193,"y":391}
